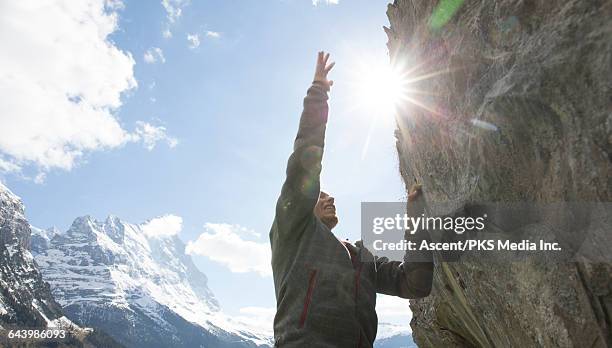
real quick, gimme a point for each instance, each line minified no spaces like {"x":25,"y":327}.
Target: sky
{"x":187,"y":110}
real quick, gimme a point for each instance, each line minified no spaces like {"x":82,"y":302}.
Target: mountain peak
{"x":113,"y":219}
{"x":8,"y":197}
{"x":83,"y":220}
{"x":2,"y":187}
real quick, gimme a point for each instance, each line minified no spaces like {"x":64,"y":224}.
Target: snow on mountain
{"x":386,"y":330}
{"x":25,"y":298}
{"x":139,"y":286}
{"x":391,"y":335}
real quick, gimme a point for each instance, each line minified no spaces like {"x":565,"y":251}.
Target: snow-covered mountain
{"x":139,"y":287}
{"x":393,"y":336}
{"x":25,"y":299}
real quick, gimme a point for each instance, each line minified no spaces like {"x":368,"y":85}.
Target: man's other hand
{"x":415,"y":192}
{"x":322,"y":69}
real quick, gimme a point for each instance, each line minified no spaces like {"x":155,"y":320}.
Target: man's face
{"x":325,"y":210}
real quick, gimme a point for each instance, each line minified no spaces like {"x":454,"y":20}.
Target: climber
{"x":325,"y":291}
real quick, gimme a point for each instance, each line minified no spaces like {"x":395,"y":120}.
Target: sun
{"x":379,"y":89}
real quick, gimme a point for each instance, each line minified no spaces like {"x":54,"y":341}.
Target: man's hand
{"x":322,"y":69}
{"x":415,"y":192}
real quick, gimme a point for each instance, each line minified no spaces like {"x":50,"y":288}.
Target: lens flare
{"x":382,"y":92}
{"x":380,"y":88}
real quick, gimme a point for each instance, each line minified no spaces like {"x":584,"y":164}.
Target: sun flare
{"x":379,"y":89}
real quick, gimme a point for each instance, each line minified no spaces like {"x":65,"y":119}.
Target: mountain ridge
{"x":25,"y":298}
{"x":111,"y":271}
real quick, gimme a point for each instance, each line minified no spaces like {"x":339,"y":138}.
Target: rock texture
{"x":25,"y":299}
{"x":511,"y":102}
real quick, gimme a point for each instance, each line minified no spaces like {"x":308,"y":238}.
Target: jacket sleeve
{"x":413,"y":277}
{"x":300,"y":191}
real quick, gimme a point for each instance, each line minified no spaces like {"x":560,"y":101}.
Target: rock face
{"x":142,"y":289}
{"x":511,"y":102}
{"x":25,"y":299}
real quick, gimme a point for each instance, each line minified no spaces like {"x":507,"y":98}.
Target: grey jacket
{"x":325,"y":297}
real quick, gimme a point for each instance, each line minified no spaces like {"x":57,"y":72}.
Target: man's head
{"x":325,"y":210}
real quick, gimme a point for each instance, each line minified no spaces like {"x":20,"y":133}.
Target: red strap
{"x":311,"y":285}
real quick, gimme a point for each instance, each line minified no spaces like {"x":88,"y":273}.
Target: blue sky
{"x":232,"y":104}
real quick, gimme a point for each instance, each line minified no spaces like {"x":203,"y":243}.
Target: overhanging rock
{"x":510,"y":102}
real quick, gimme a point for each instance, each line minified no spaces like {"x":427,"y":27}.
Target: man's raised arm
{"x":300,"y":191}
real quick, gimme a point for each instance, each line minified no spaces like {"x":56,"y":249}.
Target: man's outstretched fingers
{"x":321,"y":62}
{"x":323,"y":69}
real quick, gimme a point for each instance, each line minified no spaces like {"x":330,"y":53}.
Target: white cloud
{"x":115,"y":4}
{"x":213,"y":34}
{"x":194,"y":40}
{"x":61,"y":80}
{"x":261,"y":312}
{"x":394,"y":316}
{"x":174,"y":10}
{"x":224,"y":243}
{"x":150,"y":135}
{"x":259,"y":318}
{"x":393,"y":309}
{"x":163,"y":226}
{"x":40,"y":178}
{"x":327,"y":2}
{"x":386,"y":330}
{"x":154,"y":54}
{"x":8,"y":167}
